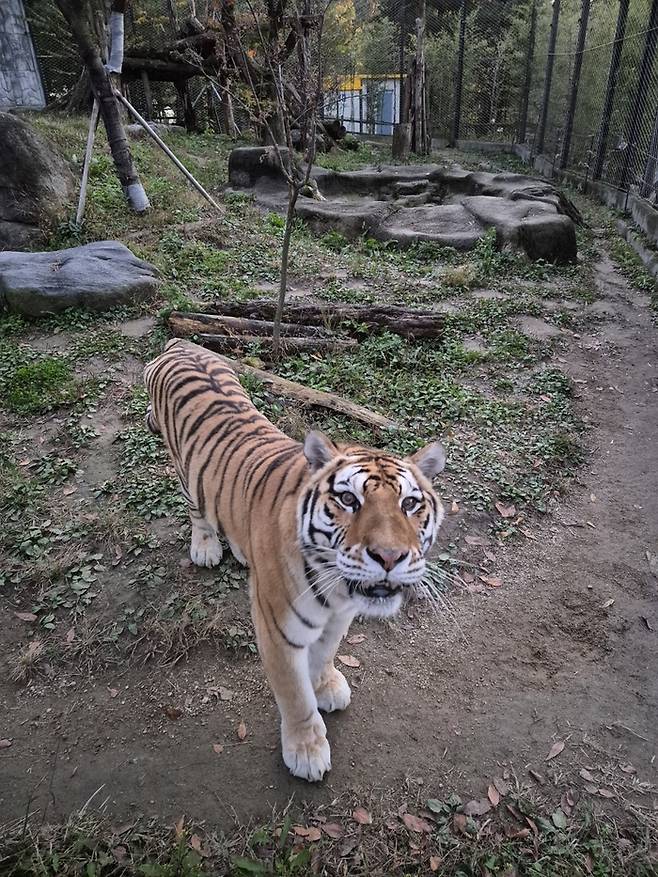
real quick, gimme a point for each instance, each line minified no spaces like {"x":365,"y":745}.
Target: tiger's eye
{"x":348,"y":499}
{"x":409,"y":503}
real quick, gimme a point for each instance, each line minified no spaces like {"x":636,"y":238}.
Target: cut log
{"x":184,"y":324}
{"x":401,"y":321}
{"x":291,"y":390}
{"x":226,"y":343}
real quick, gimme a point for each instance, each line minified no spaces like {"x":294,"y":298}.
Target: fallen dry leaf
{"x":70,"y":635}
{"x":349,"y":660}
{"x":242,"y":731}
{"x":69,"y":490}
{"x":225,"y":693}
{"x":333,"y":829}
{"x":478,"y":807}
{"x":356,"y":639}
{"x":454,"y":508}
{"x":591,"y":788}
{"x":435,"y":862}
{"x":586,"y":775}
{"x":475,"y":540}
{"x":494,"y":795}
{"x":362,"y":816}
{"x":113,"y":692}
{"x":195,"y":843}
{"x":459,"y":823}
{"x":179,"y":828}
{"x":26,"y":616}
{"x":171,"y":712}
{"x":501,"y":786}
{"x":555,"y":750}
{"x":627,"y":768}
{"x":492,"y":581}
{"x":490,"y":556}
{"x":5,"y":744}
{"x":537,"y":777}
{"x":505,"y":511}
{"x":311,"y":832}
{"x":608,"y":603}
{"x":606,"y":793}
{"x":217,"y":748}
{"x":415,"y":823}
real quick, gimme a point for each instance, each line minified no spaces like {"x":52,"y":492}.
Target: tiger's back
{"x":232,"y":463}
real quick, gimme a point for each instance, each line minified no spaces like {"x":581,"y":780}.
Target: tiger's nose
{"x":387,"y":557}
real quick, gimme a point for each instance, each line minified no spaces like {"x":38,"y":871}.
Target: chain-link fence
{"x":573,"y":80}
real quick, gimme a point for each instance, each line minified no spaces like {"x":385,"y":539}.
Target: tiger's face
{"x":367,"y":521}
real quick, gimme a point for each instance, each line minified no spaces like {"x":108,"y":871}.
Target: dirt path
{"x":546,"y":657}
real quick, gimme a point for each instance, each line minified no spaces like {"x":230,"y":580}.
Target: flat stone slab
{"x":450,"y":225}
{"x":97,"y":276}
{"x":405,"y":203}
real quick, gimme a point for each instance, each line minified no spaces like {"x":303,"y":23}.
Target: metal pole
{"x":525,"y":94}
{"x":163,"y":146}
{"x":640,"y":98}
{"x":548,"y":76}
{"x":649,"y":176}
{"x":611,"y":87}
{"x":575,"y":82}
{"x":459,"y":75}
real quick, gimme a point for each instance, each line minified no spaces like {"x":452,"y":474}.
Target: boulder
{"x":449,"y":225}
{"x":36,"y":184}
{"x":97,"y":276}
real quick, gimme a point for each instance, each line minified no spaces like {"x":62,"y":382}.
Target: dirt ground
{"x":565,"y":650}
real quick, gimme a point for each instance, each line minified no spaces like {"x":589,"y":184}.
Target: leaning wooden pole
{"x":91,"y":135}
{"x":163,"y":146}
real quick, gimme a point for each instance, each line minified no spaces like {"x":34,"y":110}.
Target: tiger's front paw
{"x":306,"y":750}
{"x":205,"y":549}
{"x":333,"y":692}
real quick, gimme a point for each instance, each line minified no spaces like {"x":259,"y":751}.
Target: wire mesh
{"x":612,"y":133}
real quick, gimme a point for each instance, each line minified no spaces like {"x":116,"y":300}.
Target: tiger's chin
{"x":376,"y":600}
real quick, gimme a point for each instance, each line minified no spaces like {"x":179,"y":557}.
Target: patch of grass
{"x":39,"y":386}
{"x":632,"y":267}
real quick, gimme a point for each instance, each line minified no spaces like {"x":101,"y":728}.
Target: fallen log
{"x":290,"y":345}
{"x":184,"y":324}
{"x":291,"y":390}
{"x":401,"y":321}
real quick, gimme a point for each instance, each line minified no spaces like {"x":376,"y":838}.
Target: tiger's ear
{"x":430,"y":460}
{"x":318,"y":449}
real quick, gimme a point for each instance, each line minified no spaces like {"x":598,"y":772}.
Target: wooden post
{"x":148,"y":97}
{"x":91,"y":134}
{"x":401,"y":141}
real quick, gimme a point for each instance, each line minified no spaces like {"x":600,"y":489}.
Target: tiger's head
{"x":367,"y":520}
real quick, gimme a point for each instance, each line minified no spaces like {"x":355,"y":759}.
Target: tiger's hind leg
{"x":205,"y":547}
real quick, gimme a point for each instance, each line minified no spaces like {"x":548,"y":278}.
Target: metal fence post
{"x":611,"y":87}
{"x":649,"y":176}
{"x":525,"y":94}
{"x":459,"y":75}
{"x":575,"y":82}
{"x":640,"y":98}
{"x":550,"y":58}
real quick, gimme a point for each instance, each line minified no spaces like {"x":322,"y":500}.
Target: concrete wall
{"x":20,"y":80}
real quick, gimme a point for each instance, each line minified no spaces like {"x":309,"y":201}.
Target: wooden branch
{"x":291,"y":390}
{"x":184,"y":324}
{"x":401,"y":321}
{"x":289,"y":345}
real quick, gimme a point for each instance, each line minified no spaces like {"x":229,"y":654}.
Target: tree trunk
{"x":401,"y":321}
{"x":229,"y":343}
{"x":74,"y":11}
{"x":187,"y":108}
{"x":190,"y":324}
{"x":293,"y":193}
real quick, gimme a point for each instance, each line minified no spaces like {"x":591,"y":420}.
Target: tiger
{"x":328,"y":531}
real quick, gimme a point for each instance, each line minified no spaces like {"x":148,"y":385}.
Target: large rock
{"x":449,"y":225}
{"x":96,"y":276}
{"x":36,"y":184}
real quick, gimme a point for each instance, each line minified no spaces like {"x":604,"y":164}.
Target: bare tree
{"x":81,"y":18}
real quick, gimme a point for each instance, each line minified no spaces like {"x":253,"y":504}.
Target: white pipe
{"x":181,"y":167}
